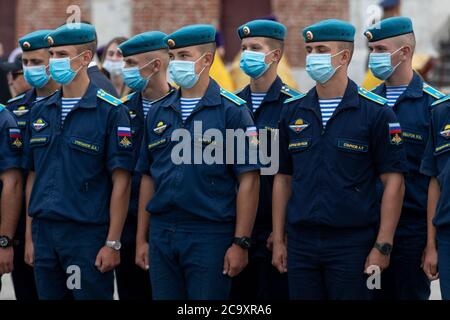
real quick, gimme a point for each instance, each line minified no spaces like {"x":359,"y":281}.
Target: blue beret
{"x":71,"y":34}
{"x":329,"y":30}
{"x":143,"y":42}
{"x":388,"y":4}
{"x":262,"y":28}
{"x":192,"y":35}
{"x":34,"y":40}
{"x":388,"y":28}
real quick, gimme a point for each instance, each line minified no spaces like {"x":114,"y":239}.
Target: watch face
{"x":3,"y":242}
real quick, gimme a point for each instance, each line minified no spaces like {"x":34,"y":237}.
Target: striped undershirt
{"x":393,"y":92}
{"x":327,"y":107}
{"x":257,"y":99}
{"x":187,"y":105}
{"x":67,"y":105}
{"x":146,"y":105}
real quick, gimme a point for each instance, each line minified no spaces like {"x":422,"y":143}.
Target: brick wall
{"x":300,"y":13}
{"x":42,"y":14}
{"x":167,"y":16}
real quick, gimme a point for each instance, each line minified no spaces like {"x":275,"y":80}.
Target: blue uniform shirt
{"x":133,"y":101}
{"x":11,"y":143}
{"x":334,"y":169}
{"x":20,"y":106}
{"x":73,"y":162}
{"x":413,"y":110}
{"x":197,"y":192}
{"x":267,"y":117}
{"x":436,"y":160}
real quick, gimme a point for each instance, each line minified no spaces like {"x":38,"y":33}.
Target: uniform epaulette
{"x":20,"y":96}
{"x":2,"y":107}
{"x":294,"y":98}
{"x":372,"y":96}
{"x":289,"y":91}
{"x":102,"y":94}
{"x":432,"y":91}
{"x":164,"y":96}
{"x":127,"y":97}
{"x":232,"y":97}
{"x":446,"y":98}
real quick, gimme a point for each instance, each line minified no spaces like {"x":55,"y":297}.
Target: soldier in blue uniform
{"x":79,"y":150}
{"x":201,"y":214}
{"x":146,"y":58}
{"x":392,"y":43}
{"x":262,"y":49}
{"x":436,"y":164}
{"x":335,"y":142}
{"x":35,"y":59}
{"x":11,"y":146}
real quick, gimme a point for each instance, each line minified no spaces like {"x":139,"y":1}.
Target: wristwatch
{"x":5,"y":242}
{"x":114,"y":244}
{"x":243,"y":242}
{"x":384,"y":248}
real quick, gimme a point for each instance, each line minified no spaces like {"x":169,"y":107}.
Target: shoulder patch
{"x":289,"y":91}
{"x":294,"y":98}
{"x":2,"y":107}
{"x":127,"y":97}
{"x":372,"y":96}
{"x":232,"y":97}
{"x":20,"y":96}
{"x":446,"y":98}
{"x":435,"y":93}
{"x":102,"y":94}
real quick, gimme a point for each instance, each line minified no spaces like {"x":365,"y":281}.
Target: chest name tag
{"x":22,"y":124}
{"x":352,"y":146}
{"x":299,"y":144}
{"x":412,"y":136}
{"x":442,"y":148}
{"x":38,"y":140}
{"x":85,"y":145}
{"x":156,"y":143}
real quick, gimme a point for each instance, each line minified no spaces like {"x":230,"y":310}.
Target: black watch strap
{"x":5,"y":242}
{"x":384,"y":248}
{"x":243,"y":242}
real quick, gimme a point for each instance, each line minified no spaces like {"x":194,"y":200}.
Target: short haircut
{"x":345,"y":45}
{"x":407,"y":39}
{"x":90,"y":46}
{"x":275,"y":44}
{"x":208,"y":47}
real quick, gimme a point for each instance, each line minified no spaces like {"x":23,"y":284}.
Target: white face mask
{"x":114,"y":67}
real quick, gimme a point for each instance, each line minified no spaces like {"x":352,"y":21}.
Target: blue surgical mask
{"x":36,"y":76}
{"x":319,"y":66}
{"x":253,"y":63}
{"x":183,"y":72}
{"x":133,"y":79}
{"x":381,"y":64}
{"x":61,"y":71}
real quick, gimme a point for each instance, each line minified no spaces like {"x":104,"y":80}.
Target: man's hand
{"x":376,"y":258}
{"x":279,"y":256}
{"x":107,"y":259}
{"x":430,"y":262}
{"x":29,"y":252}
{"x":6,"y":260}
{"x":142,"y":255}
{"x":269,"y":243}
{"x":236,"y":258}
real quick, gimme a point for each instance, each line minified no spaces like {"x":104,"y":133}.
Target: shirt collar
{"x":413,"y":90}
{"x":210,"y":98}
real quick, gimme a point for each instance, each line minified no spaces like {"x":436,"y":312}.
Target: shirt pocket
{"x":86,"y":146}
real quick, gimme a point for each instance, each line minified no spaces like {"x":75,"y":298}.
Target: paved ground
{"x":7,"y":292}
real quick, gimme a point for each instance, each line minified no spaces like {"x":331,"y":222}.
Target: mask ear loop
{"x":75,"y":58}
{"x":395,"y":53}
{"x":334,"y":55}
{"x":198,"y":60}
{"x":151,"y":75}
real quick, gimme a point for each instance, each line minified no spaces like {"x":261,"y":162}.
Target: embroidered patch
{"x":299,"y":125}
{"x":15,"y":139}
{"x":299,"y":144}
{"x":252,"y":134}
{"x":124,"y":137}
{"x":412,"y":136}
{"x":85,"y":145}
{"x":395,"y":133}
{"x":39,"y":124}
{"x":132,"y":114}
{"x":446,"y":131}
{"x":160,"y":127}
{"x":442,"y":148}
{"x":21,"y":111}
{"x":156,"y":143}
{"x":352,"y":145}
{"x":38,"y":140}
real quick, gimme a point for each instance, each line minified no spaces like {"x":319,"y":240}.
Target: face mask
{"x":183,"y":72}
{"x":319,"y":66}
{"x":253,"y":63}
{"x":113,"y":67}
{"x":61,"y":71}
{"x":36,"y":76}
{"x":381,"y":65}
{"x":133,"y":79}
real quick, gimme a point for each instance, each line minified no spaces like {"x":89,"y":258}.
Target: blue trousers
{"x":61,"y":250}
{"x":188,"y":264}
{"x":328,"y":263}
{"x":404,"y":279}
{"x":443,"y":241}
